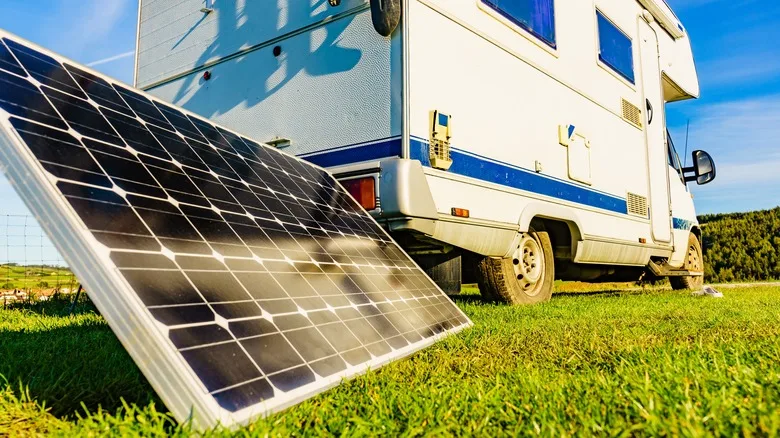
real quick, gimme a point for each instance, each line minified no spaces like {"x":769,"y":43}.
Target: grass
{"x":14,"y":276}
{"x":595,"y":363}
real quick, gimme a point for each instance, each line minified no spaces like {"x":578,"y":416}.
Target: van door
{"x":660,"y":216}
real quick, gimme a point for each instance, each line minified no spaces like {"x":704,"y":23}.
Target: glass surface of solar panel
{"x":242,"y":280}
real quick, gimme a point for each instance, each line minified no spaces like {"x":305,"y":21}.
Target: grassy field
{"x":34,"y":277}
{"x":593,"y":363}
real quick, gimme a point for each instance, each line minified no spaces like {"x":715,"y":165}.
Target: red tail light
{"x":363,"y":190}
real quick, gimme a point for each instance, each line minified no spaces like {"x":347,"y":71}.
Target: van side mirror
{"x":703,"y":168}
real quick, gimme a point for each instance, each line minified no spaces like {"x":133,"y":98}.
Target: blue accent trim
{"x":356,"y":153}
{"x":682,"y":224}
{"x":360,"y":143}
{"x":571,"y":130}
{"x":444,"y":120}
{"x":484,"y":169}
{"x":473,"y":166}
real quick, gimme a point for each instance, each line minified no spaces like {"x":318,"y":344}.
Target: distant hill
{"x":742,"y":246}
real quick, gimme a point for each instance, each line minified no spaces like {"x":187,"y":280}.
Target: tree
{"x":742,"y":246}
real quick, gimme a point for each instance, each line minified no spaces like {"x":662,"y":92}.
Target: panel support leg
{"x":75,"y":300}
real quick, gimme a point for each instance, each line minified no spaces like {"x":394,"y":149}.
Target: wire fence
{"x":31,"y":268}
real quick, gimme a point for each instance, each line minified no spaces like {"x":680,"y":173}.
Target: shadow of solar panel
{"x":242,"y":280}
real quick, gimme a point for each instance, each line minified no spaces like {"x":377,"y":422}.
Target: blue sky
{"x":87,"y":31}
{"x":737,"y":118}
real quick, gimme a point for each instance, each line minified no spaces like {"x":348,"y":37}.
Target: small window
{"x":674,"y":159}
{"x":615,"y":48}
{"x":535,"y":16}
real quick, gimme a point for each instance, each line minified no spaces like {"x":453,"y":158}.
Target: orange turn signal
{"x":460,"y":212}
{"x":363,"y":190}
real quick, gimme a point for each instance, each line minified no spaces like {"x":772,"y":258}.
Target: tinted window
{"x":615,"y":48}
{"x":673,"y":158}
{"x":535,"y":16}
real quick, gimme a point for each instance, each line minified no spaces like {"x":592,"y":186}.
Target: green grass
{"x":35,"y":277}
{"x":594,"y":363}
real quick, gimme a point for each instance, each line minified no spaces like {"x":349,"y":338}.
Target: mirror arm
{"x":690,"y":178}
{"x":688,"y":169}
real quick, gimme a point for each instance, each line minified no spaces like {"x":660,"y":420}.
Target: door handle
{"x":649,"y":112}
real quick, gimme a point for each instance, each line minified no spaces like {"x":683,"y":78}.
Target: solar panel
{"x":240,"y":279}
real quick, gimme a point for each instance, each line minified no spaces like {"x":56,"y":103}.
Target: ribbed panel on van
{"x":631,"y":113}
{"x":637,"y":205}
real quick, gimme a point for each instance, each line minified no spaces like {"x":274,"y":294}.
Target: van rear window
{"x":535,"y":16}
{"x":615,"y":48}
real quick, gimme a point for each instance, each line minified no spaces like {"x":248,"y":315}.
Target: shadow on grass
{"x":597,"y":293}
{"x":68,"y":363}
{"x":608,"y":293}
{"x":56,"y":306}
{"x":611,"y":292}
{"x":467,"y":299}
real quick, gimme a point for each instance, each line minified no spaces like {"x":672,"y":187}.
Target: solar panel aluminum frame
{"x":128,"y":317}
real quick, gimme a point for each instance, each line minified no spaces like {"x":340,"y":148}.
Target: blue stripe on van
{"x":485,"y":169}
{"x":390,"y":147}
{"x":475,"y":166}
{"x":682,"y":224}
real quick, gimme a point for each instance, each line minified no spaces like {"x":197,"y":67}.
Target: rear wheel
{"x":694,"y":262}
{"x":524,"y":278}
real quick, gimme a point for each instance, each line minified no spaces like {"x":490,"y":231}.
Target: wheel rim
{"x":693,"y":261}
{"x":528,"y":264}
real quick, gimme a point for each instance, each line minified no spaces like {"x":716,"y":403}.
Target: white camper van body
{"x":544,"y":131}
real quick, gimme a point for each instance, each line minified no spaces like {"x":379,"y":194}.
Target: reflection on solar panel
{"x":240,"y":279}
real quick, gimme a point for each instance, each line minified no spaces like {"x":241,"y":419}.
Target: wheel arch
{"x":696,"y":230}
{"x":561,"y":223}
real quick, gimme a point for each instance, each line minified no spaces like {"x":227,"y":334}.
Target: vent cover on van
{"x":637,"y":205}
{"x":632,"y":114}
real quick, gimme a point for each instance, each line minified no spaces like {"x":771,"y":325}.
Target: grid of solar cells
{"x":262,"y":272}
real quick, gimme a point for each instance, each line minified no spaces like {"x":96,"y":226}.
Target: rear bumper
{"x":406,"y":208}
{"x":404,"y":200}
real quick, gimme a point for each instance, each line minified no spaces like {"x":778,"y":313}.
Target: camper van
{"x":503,"y":142}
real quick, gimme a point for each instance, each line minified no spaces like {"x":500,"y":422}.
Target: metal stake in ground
{"x":75,"y":300}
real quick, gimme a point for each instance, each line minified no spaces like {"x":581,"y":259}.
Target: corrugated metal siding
{"x":175,"y":36}
{"x":334,"y":85}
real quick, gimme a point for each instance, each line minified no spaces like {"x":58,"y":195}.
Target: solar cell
{"x":240,"y":279}
{"x":8,"y":62}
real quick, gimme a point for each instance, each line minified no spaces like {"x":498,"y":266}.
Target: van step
{"x":664,"y":270}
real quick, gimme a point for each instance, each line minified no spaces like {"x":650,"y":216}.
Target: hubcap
{"x":528,"y":262}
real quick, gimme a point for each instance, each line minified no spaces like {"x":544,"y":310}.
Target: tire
{"x":525,"y":278}
{"x":693,"y":262}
